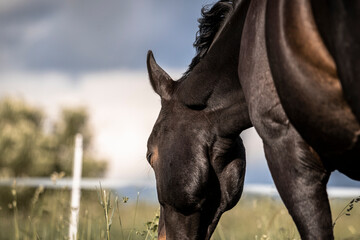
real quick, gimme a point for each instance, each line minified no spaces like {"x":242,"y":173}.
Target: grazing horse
{"x":288,"y":68}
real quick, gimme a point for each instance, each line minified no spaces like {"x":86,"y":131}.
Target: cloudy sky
{"x":92,"y":35}
{"x":92,"y":53}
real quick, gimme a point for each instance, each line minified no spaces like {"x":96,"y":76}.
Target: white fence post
{"x":75,"y":193}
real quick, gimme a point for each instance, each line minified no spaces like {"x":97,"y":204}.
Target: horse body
{"x":252,"y":72}
{"x":337,"y":21}
{"x":307,"y":81}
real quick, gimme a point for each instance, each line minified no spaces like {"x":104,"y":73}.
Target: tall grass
{"x":108,"y":215}
{"x":47,"y":216}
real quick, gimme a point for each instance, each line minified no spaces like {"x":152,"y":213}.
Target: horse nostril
{"x":148,"y":157}
{"x":152,"y":155}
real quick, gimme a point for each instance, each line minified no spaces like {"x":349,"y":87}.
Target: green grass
{"x":105,"y":215}
{"x":267,"y":218}
{"x":46,"y":216}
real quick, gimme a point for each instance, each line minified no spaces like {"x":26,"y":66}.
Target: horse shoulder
{"x":306,"y":78}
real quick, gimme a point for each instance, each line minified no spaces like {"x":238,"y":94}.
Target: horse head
{"x":198,"y":162}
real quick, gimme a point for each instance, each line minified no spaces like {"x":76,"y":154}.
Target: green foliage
{"x":29,"y":148}
{"x":20,"y":137}
{"x":152,"y":227}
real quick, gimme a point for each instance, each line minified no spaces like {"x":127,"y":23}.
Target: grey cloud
{"x":77,"y":36}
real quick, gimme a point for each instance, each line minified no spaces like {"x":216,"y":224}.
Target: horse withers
{"x":266,"y":66}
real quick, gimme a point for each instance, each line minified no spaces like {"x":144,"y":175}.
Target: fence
{"x":93,"y":183}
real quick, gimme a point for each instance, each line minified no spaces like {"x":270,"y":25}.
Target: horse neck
{"x":214,"y":81}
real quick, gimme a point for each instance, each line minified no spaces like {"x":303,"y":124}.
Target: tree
{"x":27,"y":148}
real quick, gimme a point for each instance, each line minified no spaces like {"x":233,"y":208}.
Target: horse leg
{"x":301,"y":180}
{"x":298,"y":172}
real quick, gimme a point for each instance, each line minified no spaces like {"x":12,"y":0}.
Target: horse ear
{"x":159,"y":79}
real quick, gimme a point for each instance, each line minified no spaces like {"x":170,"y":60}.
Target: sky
{"x":92,"y":53}
{"x":92,"y":35}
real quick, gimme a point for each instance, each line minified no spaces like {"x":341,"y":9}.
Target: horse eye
{"x":197,"y":107}
{"x":148,"y":157}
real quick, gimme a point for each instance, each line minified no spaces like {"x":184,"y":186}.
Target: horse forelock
{"x":213,"y":17}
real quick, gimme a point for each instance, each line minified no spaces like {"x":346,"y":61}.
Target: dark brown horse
{"x":288,"y":68}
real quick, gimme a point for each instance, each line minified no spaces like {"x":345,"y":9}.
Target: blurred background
{"x":79,"y":66}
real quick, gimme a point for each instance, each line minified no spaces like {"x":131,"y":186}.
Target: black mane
{"x":209,"y":24}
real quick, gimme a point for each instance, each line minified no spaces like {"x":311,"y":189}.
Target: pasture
{"x":45,"y":215}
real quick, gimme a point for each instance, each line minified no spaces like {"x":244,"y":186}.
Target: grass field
{"x":45,"y":216}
